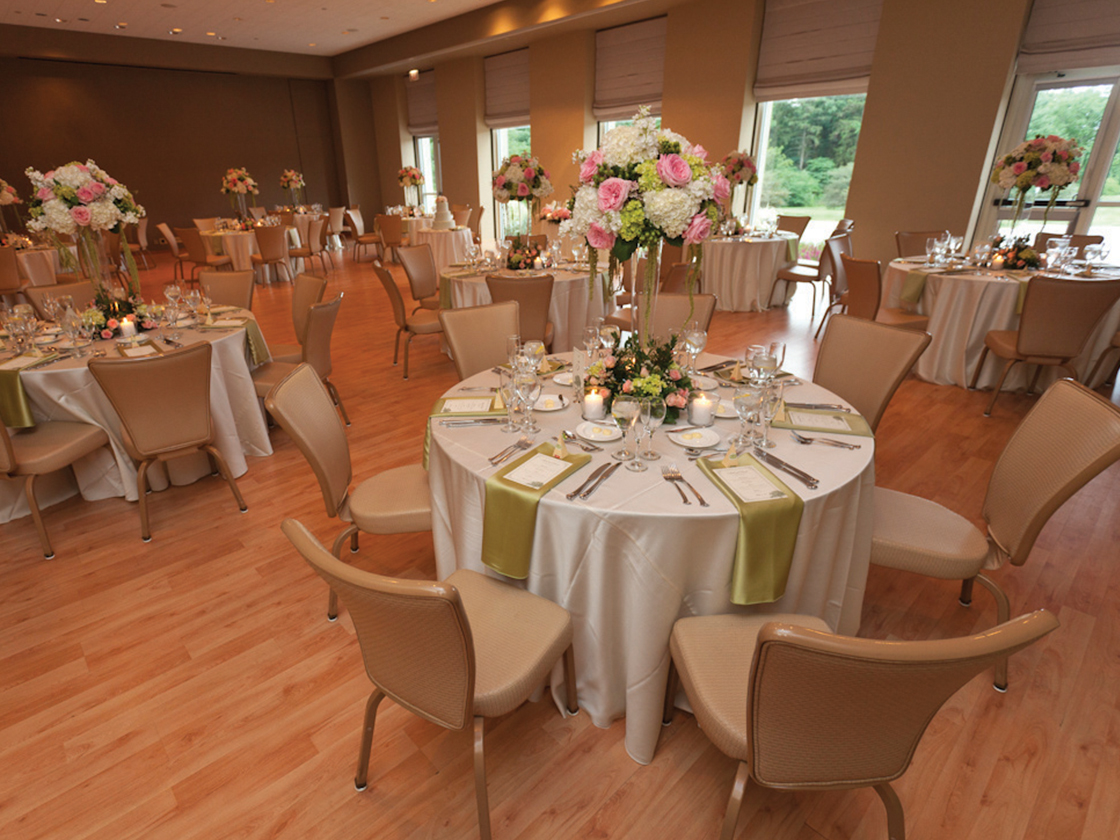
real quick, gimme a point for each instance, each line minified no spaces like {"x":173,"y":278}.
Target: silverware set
{"x":800,"y":438}
{"x":672,"y":474}
{"x":594,"y":481}
{"x":520,"y":445}
{"x":666,"y":474}
{"x":570,"y":437}
{"x":466,"y":422}
{"x":819,"y":407}
{"x":789,"y":469}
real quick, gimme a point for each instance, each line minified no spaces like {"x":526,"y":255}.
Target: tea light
{"x":701,"y":410}
{"x":537,"y":264}
{"x":128,"y":328}
{"x":997,"y":261}
{"x":593,"y":407}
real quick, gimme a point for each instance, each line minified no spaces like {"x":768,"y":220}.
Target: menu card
{"x":831,"y":423}
{"x":538,"y":471}
{"x":467,"y":405}
{"x":749,"y":484}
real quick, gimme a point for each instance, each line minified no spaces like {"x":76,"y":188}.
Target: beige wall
{"x":394,"y":143}
{"x":464,"y":139}
{"x":939,"y":84}
{"x":357,"y":146}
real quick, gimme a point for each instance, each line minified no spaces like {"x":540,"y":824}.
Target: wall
{"x":357,"y":147}
{"x":464,"y":139}
{"x":394,"y":143}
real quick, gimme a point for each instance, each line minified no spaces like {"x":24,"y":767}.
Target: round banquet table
{"x":66,"y":390}
{"x":41,"y":266}
{"x":741,"y":273}
{"x":240,"y":245}
{"x":570,"y":311}
{"x":448,"y":246}
{"x":963,"y":308}
{"x":632,"y":559}
{"x":411,"y":224}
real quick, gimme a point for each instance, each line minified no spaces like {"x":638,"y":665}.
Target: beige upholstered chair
{"x":912,"y":243}
{"x":81,"y":292}
{"x":477,"y":335}
{"x":835,"y":247}
{"x":813,"y":272}
{"x":454,"y":652}
{"x":534,"y":297}
{"x":420,"y":322}
{"x":794,"y":224}
{"x":44,"y":448}
{"x":173,"y":247}
{"x":865,"y":362}
{"x":316,"y":353}
{"x":138,"y":240}
{"x":674,"y":312}
{"x":1058,"y":318}
{"x":337,"y":222}
{"x":390,"y":233}
{"x":475,"y":223}
{"x":396,"y":501}
{"x":361,"y":238}
{"x":228,"y":288}
{"x":196,"y":252}
{"x":538,"y":239}
{"x":176,"y":424}
{"x":273,"y":244}
{"x":843,"y":226}
{"x":462,"y":217}
{"x":676,"y":281}
{"x":1076,"y":240}
{"x":287,"y":219}
{"x":1114,"y":345}
{"x":423,"y":277}
{"x":258,"y":213}
{"x":205,"y":224}
{"x":307,"y":290}
{"x":313,"y":247}
{"x":10,"y":283}
{"x":814,"y":711}
{"x":865,"y":289}
{"x":1069,"y":436}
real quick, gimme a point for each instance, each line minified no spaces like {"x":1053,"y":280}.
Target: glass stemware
{"x":172,"y":292}
{"x":509,"y":397}
{"x":608,"y":336}
{"x":625,"y":411}
{"x":747,"y":401}
{"x":533,"y":350}
{"x":657,"y":411}
{"x":513,"y":349}
{"x":771,"y":400}
{"x":640,"y":424}
{"x":590,"y":340}
{"x":695,"y":340}
{"x":527,"y":386}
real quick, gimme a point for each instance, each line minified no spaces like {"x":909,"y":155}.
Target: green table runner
{"x":510,"y":516}
{"x":15,"y":408}
{"x":767,"y":535}
{"x":793,"y":249}
{"x":258,"y":347}
{"x":914,"y":285}
{"x":855,"y":422}
{"x":498,"y":409}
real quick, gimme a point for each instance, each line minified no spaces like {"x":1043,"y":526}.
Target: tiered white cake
{"x":443,"y":219}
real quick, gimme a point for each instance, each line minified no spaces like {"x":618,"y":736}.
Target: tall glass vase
{"x":645,"y":268}
{"x":3,"y":222}
{"x":91,"y":251}
{"x":242,"y":206}
{"x":515,"y":218}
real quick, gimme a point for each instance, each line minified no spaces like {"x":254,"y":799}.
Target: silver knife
{"x":594,"y":475}
{"x":819,"y":406}
{"x":478,"y":421}
{"x":775,"y":461}
{"x":611,"y":471}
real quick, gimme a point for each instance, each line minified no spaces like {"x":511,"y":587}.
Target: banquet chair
{"x":325,"y":242}
{"x":10,"y":284}
{"x":676,"y":281}
{"x":674,"y":312}
{"x":205,"y":224}
{"x":454,"y":652}
{"x":336,"y":217}
{"x":396,"y":501}
{"x":390,"y":233}
{"x":794,"y":224}
{"x":41,"y":449}
{"x":258,"y":213}
{"x":475,"y":223}
{"x":81,"y":292}
{"x":176,"y":424}
{"x":912,"y":243}
{"x":196,"y":253}
{"x":811,"y":710}
{"x":462,"y":217}
{"x":1058,"y":318}
{"x":843,"y":226}
{"x":864,"y":362}
{"x":1076,"y":240}
{"x":287,"y":219}
{"x":811,"y":272}
{"x":1070,"y":436}
{"x":111,"y":256}
{"x":313,"y":247}
{"x":835,"y":247}
{"x":138,"y":240}
{"x":538,"y":239}
{"x":477,"y":335}
{"x":1113,"y":345}
{"x":273,"y":245}
{"x":865,"y":291}
{"x":534,"y":297}
{"x":307,"y":290}
{"x":420,"y":322}
{"x":173,"y":247}
{"x":228,"y":288}
{"x":423,"y":277}
{"x":358,"y":233}
{"x":316,"y":353}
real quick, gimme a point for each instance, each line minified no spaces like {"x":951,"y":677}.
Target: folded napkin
{"x":768,"y":525}
{"x":258,"y":347}
{"x":444,"y":292}
{"x":15,"y":408}
{"x":447,"y":407}
{"x":914,"y":285}
{"x":727,"y":372}
{"x":793,"y":249}
{"x":139,"y":349}
{"x":510,"y":515}
{"x":821,"y":420}
{"x":1022,"y":295}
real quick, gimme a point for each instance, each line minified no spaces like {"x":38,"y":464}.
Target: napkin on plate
{"x":821,"y":420}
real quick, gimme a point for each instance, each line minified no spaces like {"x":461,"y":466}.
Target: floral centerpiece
{"x":739,"y":168}
{"x":522,"y":254}
{"x":237,"y":184}
{"x":642,"y":372}
{"x":1015,"y":253}
{"x":8,"y":195}
{"x":554,"y":212}
{"x":411,"y":179}
{"x":1047,"y":163}
{"x":107,"y":320}
{"x":293,"y":182}
{"x":15,"y":241}
{"x":520,"y":178}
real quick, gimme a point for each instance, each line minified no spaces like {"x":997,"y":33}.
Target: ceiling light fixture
{"x":211,"y":34}
{"x":174,"y":31}
{"x":413,"y":75}
{"x":312,"y":44}
{"x":101,"y":2}
{"x":122,"y":25}
{"x":60,"y":20}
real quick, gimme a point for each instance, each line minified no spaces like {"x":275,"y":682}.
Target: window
{"x":505,"y":142}
{"x":607,"y":125}
{"x":427,"y":161}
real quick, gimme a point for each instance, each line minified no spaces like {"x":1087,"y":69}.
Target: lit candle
{"x":128,"y":328}
{"x":537,"y":264}
{"x":593,"y":408}
{"x":700,"y":411}
{"x":997,"y":261}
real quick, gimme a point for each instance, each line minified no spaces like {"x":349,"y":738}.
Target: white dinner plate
{"x":598,"y":432}
{"x":66,"y":344}
{"x":551,"y":402}
{"x":726,"y":410}
{"x":704,"y":383}
{"x":46,"y":339}
{"x":696,"y":438}
{"x":564,"y":378}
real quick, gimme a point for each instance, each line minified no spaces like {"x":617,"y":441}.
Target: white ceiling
{"x":313,"y":27}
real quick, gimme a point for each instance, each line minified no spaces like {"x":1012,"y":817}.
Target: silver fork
{"x":523,"y":443}
{"x":665,"y":474}
{"x":675,"y":475}
{"x":808,"y":440}
{"x":586,"y":447}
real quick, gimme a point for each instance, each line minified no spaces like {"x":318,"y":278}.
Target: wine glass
{"x":590,"y":340}
{"x":771,"y":400}
{"x":955,"y":245}
{"x":609,"y":335}
{"x":931,"y":250}
{"x":640,"y":424}
{"x":747,"y":400}
{"x":657,"y":409}
{"x":193,"y":299}
{"x":509,"y":397}
{"x":527,"y":386}
{"x":533,"y":350}
{"x":625,"y":411}
{"x":171,"y":315}
{"x":72,"y":325}
{"x":777,"y":349}
{"x":513,"y":349}
{"x":695,"y":340}
{"x":172,"y":292}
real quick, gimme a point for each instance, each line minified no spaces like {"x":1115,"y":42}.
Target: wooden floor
{"x":191,"y":687}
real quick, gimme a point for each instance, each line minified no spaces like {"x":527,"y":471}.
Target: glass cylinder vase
{"x":645,"y":268}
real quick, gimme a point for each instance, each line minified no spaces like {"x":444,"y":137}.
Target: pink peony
{"x":83,"y":168}
{"x":673,"y":170}
{"x":530,"y":173}
{"x":44,"y":194}
{"x":1019,"y":168}
{"x":81,"y":215}
{"x":590,"y":167}
{"x":699,"y":151}
{"x":522,"y":189}
{"x":721,"y":187}
{"x":675,"y":400}
{"x":612,"y":194}
{"x":627,"y":387}
{"x":1043,"y":182}
{"x":1046,"y":157}
{"x":515,"y":159}
{"x":500,"y":181}
{"x":674,"y":374}
{"x":610,"y":362}
{"x":106,"y":333}
{"x":699,"y":229}
{"x":112,"y":323}
{"x":598,"y":237}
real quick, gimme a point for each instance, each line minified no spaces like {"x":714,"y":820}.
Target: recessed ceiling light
{"x":40,"y":14}
{"x":384,"y":17}
{"x":174,"y":31}
{"x":413,"y":75}
{"x":312,"y":44}
{"x":237,"y":18}
{"x":349,"y":31}
{"x":211,"y":34}
{"x":84,"y":20}
{"x":101,"y":2}
{"x":169,"y":5}
{"x":122,"y":25}
{"x":60,"y":20}
{"x":221,"y":37}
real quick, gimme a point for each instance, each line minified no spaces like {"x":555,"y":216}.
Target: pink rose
{"x":1074,"y":168}
{"x":1046,"y":157}
{"x":721,"y":188}
{"x":1063,"y":155}
{"x":673,"y":170}
{"x":148,"y":325}
{"x":530,"y":173}
{"x":515,"y":159}
{"x":1043,"y":182}
{"x":86,"y":195}
{"x":598,"y":237}
{"x":1019,"y":168}
{"x":590,"y":167}
{"x":699,"y":151}
{"x":44,"y":194}
{"x":83,"y":168}
{"x":50,"y":175}
{"x":522,"y":189}
{"x":610,"y":362}
{"x":111,"y":181}
{"x":675,"y":400}
{"x":644,"y":372}
{"x":674,"y":374}
{"x":106,"y":333}
{"x":546,"y":174}
{"x":612,"y":194}
{"x":627,"y":387}
{"x":500,"y":181}
{"x":81,"y":215}
{"x":698,"y":229}
{"x":112,"y":323}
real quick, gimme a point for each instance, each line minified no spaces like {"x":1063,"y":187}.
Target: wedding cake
{"x":443,"y":219}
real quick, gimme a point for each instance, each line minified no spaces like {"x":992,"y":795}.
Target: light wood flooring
{"x":191,"y":687}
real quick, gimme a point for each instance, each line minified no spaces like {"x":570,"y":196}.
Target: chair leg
{"x":1003,"y":613}
{"x":228,"y":476}
{"x":1097,"y":368}
{"x":350,"y":532}
{"x":362,"y":776}
{"x":896,"y":820}
{"x":407,"y":344}
{"x":570,"y":680}
{"x":670,"y":694}
{"x":999,"y":384}
{"x":337,"y":401}
{"x":480,"y":780}
{"x":33,"y":503}
{"x":979,"y":366}
{"x":142,"y":491}
{"x":966,"y":592}
{"x":735,"y":802}
{"x":1037,"y":374}
{"x":397,"y":345}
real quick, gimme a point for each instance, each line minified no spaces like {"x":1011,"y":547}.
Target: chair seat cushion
{"x":396,"y":501}
{"x":268,"y":374}
{"x":216,"y":260}
{"x":799,"y":274}
{"x":424,"y":322}
{"x":52,"y":445}
{"x":1004,"y":343}
{"x":429,"y":302}
{"x":518,"y":637}
{"x":917,"y":535}
{"x":713,"y":655}
{"x":898,"y":318}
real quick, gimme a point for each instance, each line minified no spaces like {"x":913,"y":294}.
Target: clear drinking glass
{"x":657,"y":409}
{"x":509,"y":397}
{"x":534,"y":351}
{"x":695,"y":339}
{"x":771,"y":400}
{"x":625,"y":412}
{"x":747,"y":400}
{"x":608,"y":336}
{"x":172,"y":292}
{"x":590,"y":340}
{"x":931,"y":250}
{"x":527,"y":386}
{"x":640,"y":425}
{"x":513,"y":348}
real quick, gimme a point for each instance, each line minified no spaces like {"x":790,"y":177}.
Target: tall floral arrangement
{"x":83,"y":200}
{"x":237,"y":184}
{"x":8,"y":195}
{"x":739,"y":168}
{"x":1047,"y":163}
{"x":410,"y":176}
{"x":521,"y":178}
{"x":293,"y":182}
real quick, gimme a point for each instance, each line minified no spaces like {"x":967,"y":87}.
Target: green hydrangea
{"x":633,"y":220}
{"x":648,"y":179}
{"x":649,"y":386}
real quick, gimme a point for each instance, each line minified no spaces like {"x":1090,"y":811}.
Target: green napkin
{"x":15,"y":409}
{"x":767,"y":535}
{"x":793,"y":249}
{"x":914,"y":285}
{"x":444,"y":292}
{"x":856,"y":424}
{"x":1022,"y":295}
{"x":510,"y":516}
{"x":498,"y":410}
{"x":258,"y":347}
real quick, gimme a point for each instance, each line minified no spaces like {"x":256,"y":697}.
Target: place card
{"x":749,"y":484}
{"x":467,"y":405}
{"x":134,"y":351}
{"x":21,"y":362}
{"x":538,"y":471}
{"x":228,"y":323}
{"x":827,"y":422}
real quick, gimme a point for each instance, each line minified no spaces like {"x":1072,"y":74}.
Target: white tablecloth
{"x":632,"y":559}
{"x":240,"y":245}
{"x":448,"y":246}
{"x":570,"y":311}
{"x":741,"y":273}
{"x":40,"y":266}
{"x":411,"y":224}
{"x":962,"y":308}
{"x":67,"y":391}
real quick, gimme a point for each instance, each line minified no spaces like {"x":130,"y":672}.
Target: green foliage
{"x":519,"y":140}
{"x":787,"y":186}
{"x":1070,"y":112}
{"x":835,"y":193}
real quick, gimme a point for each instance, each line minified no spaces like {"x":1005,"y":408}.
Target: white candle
{"x":537,"y":264}
{"x":700,"y":411}
{"x":997,"y":261}
{"x":128,"y":329}
{"x":593,"y":408}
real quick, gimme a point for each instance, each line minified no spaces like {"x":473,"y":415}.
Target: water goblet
{"x":513,"y":348}
{"x":1092,"y":256}
{"x":931,"y":250}
{"x":625,"y":411}
{"x":193,"y":298}
{"x":695,"y":340}
{"x":747,"y":400}
{"x":640,"y":424}
{"x":754,"y":357}
{"x":533,"y":350}
{"x":527,"y":386}
{"x":171,"y":315}
{"x":609,"y":335}
{"x":657,"y":410}
{"x":72,"y":325}
{"x":590,"y":340}
{"x":509,"y":397}
{"x":172,"y":292}
{"x":777,"y":349}
{"x":955,"y":245}
{"x":771,"y":401}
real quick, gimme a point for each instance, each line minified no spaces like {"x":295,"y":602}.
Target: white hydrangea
{"x":57,"y":217}
{"x":585,"y":211}
{"x":103,"y":215}
{"x":514,"y":173}
{"x":623,"y":146}
{"x":671,"y":210}
{"x":71,"y":176}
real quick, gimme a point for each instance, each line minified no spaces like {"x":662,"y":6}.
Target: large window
{"x":427,"y":160}
{"x":505,"y":142}
{"x":607,"y":125}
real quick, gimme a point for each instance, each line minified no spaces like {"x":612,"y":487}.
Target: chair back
{"x":477,"y":335}
{"x":475,"y":221}
{"x":676,"y":281}
{"x":1068,"y":437}
{"x":9,"y":271}
{"x":533,"y":296}
{"x":538,"y":239}
{"x":307,"y":289}
{"x":1076,"y":240}
{"x":836,"y":247}
{"x":287,"y":219}
{"x":1060,"y":315}
{"x":228,"y":288}
{"x":324,"y":231}
{"x":315,"y":235}
{"x":139,"y":233}
{"x":396,"y":302}
{"x":420,"y":269}
{"x":192,"y":243}
{"x":317,"y":341}
{"x":826,"y":711}
{"x":864,"y":362}
{"x":179,"y":419}
{"x":392,"y":230}
{"x":794,"y":224}
{"x":674,"y":312}
{"x":205,"y":224}
{"x":172,"y":242}
{"x":415,"y":638}
{"x":273,"y":243}
{"x":864,"y":287}
{"x":38,"y":267}
{"x":336,"y":218}
{"x":82,"y":292}
{"x":843,"y":226}
{"x":301,"y":405}
{"x":258,"y":213}
{"x":912,"y":243}
{"x":462,"y":217}
{"x":357,"y":223}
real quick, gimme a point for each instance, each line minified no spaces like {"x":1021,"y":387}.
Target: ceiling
{"x":310,"y":27}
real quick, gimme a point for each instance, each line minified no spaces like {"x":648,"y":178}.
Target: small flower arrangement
{"x":554,"y":212}
{"x":522,"y":254}
{"x":8,"y":194}
{"x":16,"y":241}
{"x":291,"y":180}
{"x":239,"y":182}
{"x":410,"y":176}
{"x":521,"y":178}
{"x":106,"y":316}
{"x":629,"y":369}
{"x":1047,"y":163}
{"x":1016,"y":254}
{"x":739,"y":168}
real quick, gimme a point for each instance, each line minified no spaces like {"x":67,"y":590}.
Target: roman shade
{"x":1068,"y":34}
{"x":507,"y":89}
{"x":629,"y":69}
{"x":423,"y":118}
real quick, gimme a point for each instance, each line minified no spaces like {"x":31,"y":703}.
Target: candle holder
{"x":701,"y":409}
{"x":595,"y":404}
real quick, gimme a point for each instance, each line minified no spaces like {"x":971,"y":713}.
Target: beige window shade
{"x":629,"y":69}
{"x":423,"y":118}
{"x":1070,"y":34}
{"x":816,"y":48}
{"x":507,"y":89}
